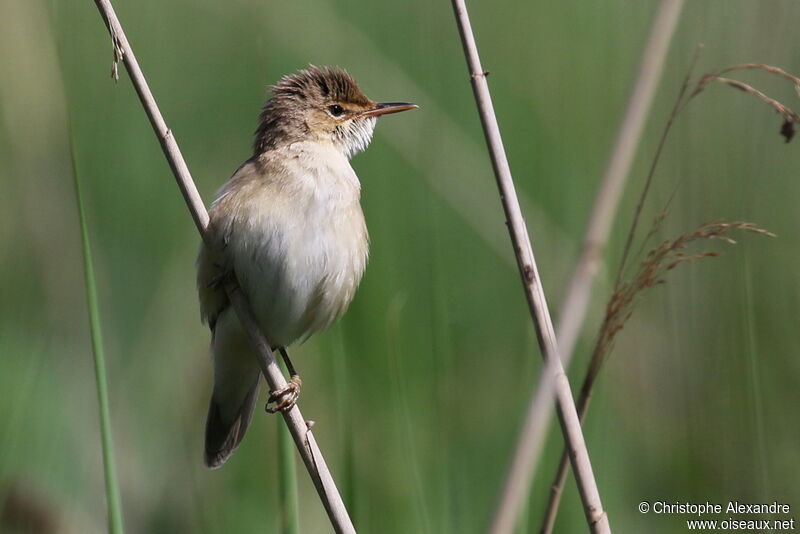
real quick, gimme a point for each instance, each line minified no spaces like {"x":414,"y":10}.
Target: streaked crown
{"x":322,"y":104}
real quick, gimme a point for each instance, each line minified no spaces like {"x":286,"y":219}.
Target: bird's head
{"x":320,"y":104}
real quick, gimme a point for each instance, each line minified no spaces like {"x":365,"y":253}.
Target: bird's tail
{"x":236,"y":384}
{"x":223,"y":434}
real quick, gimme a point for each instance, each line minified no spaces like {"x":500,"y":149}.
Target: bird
{"x":289,"y":228}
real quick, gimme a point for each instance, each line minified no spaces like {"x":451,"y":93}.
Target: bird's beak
{"x":385,"y":108}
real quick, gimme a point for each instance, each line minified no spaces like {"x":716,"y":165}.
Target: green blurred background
{"x":418,"y":393}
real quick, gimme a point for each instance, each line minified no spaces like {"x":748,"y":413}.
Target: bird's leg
{"x":286,"y":397}
{"x":288,"y":362}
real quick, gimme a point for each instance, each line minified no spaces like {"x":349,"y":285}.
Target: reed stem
{"x":537,"y":304}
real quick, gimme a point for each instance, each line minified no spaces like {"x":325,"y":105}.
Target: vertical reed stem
{"x":573,"y":434}
{"x":578,"y":295}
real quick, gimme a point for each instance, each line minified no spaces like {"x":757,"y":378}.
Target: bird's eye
{"x":336,"y":110}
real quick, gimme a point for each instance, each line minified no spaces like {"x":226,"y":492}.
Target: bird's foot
{"x":286,"y":397}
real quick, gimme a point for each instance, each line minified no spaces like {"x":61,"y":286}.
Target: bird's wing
{"x":210,"y":274}
{"x":214,"y":266}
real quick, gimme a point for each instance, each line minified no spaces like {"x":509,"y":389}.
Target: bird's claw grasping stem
{"x":286,"y":397}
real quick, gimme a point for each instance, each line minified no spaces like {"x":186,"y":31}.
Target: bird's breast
{"x":303,"y":250}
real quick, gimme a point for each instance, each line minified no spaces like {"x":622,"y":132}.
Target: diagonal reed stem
{"x":302,"y":435}
{"x":651,"y":66}
{"x":534,"y":293}
{"x":115,"y":524}
{"x":578,"y":295}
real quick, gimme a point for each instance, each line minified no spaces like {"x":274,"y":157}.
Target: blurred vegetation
{"x":418,"y":392}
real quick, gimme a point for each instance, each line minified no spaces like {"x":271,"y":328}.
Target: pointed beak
{"x":386,"y":108}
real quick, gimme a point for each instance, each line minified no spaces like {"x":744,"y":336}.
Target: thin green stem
{"x":112,"y":486}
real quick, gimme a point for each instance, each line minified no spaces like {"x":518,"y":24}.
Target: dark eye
{"x":336,"y":110}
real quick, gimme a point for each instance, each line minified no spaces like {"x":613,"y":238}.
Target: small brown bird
{"x":289,"y":226}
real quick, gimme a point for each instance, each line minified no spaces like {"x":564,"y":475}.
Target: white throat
{"x":354,"y":135}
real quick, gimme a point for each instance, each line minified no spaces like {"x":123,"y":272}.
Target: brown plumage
{"x":289,"y":226}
